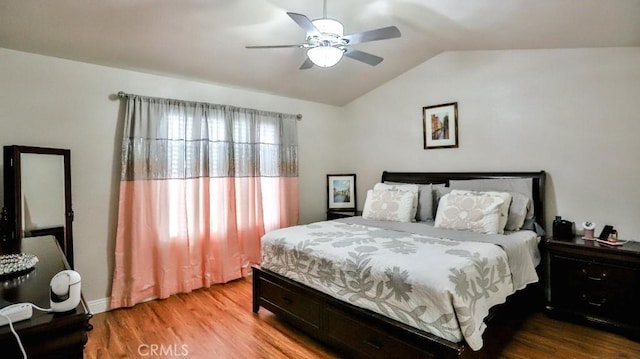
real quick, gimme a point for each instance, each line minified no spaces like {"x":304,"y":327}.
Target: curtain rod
{"x":122,"y":94}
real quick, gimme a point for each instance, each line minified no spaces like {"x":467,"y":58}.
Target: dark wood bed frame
{"x":358,"y":332}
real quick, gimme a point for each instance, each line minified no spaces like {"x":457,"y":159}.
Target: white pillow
{"x":424,"y":210}
{"x":512,"y":185}
{"x":413,"y":188}
{"x":389,"y":205}
{"x":517,"y":206}
{"x":504,"y":207}
{"x":471,"y":212}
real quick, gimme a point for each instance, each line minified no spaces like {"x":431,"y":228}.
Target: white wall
{"x":573,"y":113}
{"x":50,"y":102}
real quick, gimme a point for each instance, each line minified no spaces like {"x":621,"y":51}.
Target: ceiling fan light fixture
{"x":325,"y":56}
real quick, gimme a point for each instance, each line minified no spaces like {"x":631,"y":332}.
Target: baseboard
{"x":99,"y":305}
{"x":102,"y":305}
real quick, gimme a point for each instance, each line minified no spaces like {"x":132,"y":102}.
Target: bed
{"x":360,"y":285}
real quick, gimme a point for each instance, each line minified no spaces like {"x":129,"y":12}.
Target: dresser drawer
{"x":285,"y":301}
{"x":595,"y":288}
{"x":367,"y":340}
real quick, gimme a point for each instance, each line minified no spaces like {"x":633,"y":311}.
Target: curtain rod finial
{"x":121,"y":94}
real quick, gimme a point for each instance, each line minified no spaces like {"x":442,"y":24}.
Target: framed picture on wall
{"x":341,"y":192}
{"x":440,"y":126}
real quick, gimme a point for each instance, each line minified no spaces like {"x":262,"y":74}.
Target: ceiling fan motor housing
{"x":329,"y":26}
{"x":331,"y":32}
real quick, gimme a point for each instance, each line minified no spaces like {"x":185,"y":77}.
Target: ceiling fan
{"x":326,"y":43}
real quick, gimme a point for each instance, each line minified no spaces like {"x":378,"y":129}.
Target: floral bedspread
{"x":441,"y":286}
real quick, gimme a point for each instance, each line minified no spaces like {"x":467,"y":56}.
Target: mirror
{"x":37,"y":194}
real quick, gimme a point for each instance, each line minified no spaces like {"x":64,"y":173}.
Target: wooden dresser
{"x":595,"y":283}
{"x":45,"y":335}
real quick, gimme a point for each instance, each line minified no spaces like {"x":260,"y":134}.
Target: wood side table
{"x":595,"y":283}
{"x":342,"y":214}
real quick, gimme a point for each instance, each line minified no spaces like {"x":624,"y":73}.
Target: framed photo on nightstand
{"x":341,"y":192}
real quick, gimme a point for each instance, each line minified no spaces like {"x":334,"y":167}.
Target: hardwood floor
{"x":217,"y":322}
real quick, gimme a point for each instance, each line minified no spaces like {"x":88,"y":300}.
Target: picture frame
{"x":440,"y":126}
{"x":341,"y":192}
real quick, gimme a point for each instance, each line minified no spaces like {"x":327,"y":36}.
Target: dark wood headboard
{"x":444,"y":177}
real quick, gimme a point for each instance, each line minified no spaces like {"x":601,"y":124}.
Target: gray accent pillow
{"x":439,"y":190}
{"x":425,"y":203}
{"x":520,"y":207}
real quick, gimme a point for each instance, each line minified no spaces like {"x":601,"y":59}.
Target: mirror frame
{"x":13,"y":194}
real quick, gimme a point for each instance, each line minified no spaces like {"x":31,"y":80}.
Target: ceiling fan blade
{"x":383,"y":33}
{"x":365,"y":57}
{"x":273,"y":46}
{"x":304,"y":23}
{"x":307,"y":64}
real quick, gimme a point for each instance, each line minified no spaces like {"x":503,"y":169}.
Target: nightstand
{"x":342,"y":214}
{"x":594,"y":283}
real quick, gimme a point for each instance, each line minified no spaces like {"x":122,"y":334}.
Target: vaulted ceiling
{"x":205,"y":40}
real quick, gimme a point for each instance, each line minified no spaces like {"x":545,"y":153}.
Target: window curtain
{"x":200,"y":184}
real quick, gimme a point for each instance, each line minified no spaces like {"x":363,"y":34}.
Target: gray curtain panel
{"x":172,"y":139}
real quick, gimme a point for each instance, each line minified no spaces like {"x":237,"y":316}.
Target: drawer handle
{"x":374,"y":345}
{"x":597,"y":304}
{"x":597,"y":279}
{"x":594,"y":304}
{"x":287,"y":300}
